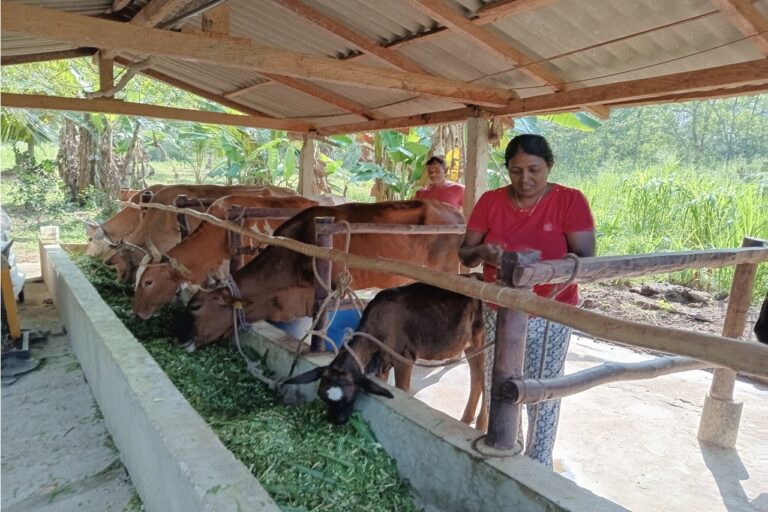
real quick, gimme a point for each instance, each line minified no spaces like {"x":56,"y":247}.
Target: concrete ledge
{"x":434,"y":451}
{"x":175,"y":460}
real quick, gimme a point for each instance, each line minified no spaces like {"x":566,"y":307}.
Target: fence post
{"x":181,"y":202}
{"x":145,"y":197}
{"x":324,"y":273}
{"x":235,"y":239}
{"x":509,"y":361}
{"x":719,"y":423}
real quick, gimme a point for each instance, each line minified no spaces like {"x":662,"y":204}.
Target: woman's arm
{"x":473,"y":251}
{"x":581,"y":243}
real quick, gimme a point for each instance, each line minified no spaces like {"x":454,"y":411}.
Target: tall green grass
{"x":672,"y":208}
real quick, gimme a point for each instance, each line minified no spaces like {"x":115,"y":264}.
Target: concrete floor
{"x":635,"y":442}
{"x":56,"y":452}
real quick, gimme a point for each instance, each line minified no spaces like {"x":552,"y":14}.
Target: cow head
{"x":209,"y":317}
{"x":339,"y":389}
{"x":125,"y":257}
{"x":157,"y":284}
{"x":99,"y":242}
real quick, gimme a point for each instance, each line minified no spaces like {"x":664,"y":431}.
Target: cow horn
{"x":90,"y":228}
{"x":178,"y":267}
{"x":134,"y":247}
{"x":157,"y":256}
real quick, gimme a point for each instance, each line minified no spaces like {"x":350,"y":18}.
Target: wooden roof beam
{"x":731,"y":92}
{"x":110,"y":106}
{"x":350,"y":36}
{"x":490,"y":13}
{"x":747,"y":19}
{"x":12,"y":60}
{"x":175,"y":82}
{"x":599,"y":111}
{"x":744,"y":78}
{"x":238,"y":54}
{"x":463,"y":26}
{"x":151,"y":15}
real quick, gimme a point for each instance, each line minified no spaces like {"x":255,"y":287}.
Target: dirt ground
{"x":662,"y":304}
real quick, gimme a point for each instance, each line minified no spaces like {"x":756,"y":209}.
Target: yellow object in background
{"x":9,"y":301}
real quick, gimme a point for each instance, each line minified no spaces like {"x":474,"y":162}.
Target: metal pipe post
{"x":324,"y":274}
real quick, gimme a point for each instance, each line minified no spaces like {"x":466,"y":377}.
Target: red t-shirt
{"x":562,"y":210}
{"x":451,"y":193}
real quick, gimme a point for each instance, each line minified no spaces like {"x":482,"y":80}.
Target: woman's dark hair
{"x":535,"y":145}
{"x":436,"y":160}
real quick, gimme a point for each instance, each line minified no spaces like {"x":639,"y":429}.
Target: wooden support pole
{"x":720,"y":417}
{"x":609,"y":267}
{"x":508,"y":363}
{"x":531,"y":391}
{"x":106,"y":73}
{"x":235,"y":240}
{"x":324,"y":274}
{"x":476,"y":173}
{"x":307,"y":185}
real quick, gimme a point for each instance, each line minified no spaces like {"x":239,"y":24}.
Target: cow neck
{"x":196,"y":254}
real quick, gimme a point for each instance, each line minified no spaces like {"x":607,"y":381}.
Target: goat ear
{"x":372,"y":388}
{"x":310,"y":376}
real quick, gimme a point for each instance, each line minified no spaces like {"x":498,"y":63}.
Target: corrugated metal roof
{"x":583,"y":43}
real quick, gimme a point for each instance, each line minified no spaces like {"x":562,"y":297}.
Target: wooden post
{"x":307,"y":185}
{"x":106,"y":73}
{"x":476,"y":172}
{"x":9,"y":301}
{"x":508,"y":363}
{"x":235,"y":240}
{"x":181,"y":201}
{"x":719,"y":423}
{"x":324,"y":273}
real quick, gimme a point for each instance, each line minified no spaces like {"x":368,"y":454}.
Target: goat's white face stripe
{"x":334,"y":394}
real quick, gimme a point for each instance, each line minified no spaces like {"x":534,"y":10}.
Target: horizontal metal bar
{"x":413,"y":229}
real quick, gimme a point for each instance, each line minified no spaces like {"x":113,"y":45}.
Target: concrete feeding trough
{"x":177,"y":463}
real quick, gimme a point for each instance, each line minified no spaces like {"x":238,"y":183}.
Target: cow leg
{"x":403,"y":376}
{"x":476,"y":383}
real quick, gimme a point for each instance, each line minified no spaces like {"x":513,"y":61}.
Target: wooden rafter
{"x":150,"y":15}
{"x":599,"y":111}
{"x":239,"y":54}
{"x":12,"y":60}
{"x":342,"y":31}
{"x":175,"y":82}
{"x":119,"y":5}
{"x":216,"y":21}
{"x":462,"y":25}
{"x":490,"y":13}
{"x":747,"y":19}
{"x":325,"y":95}
{"x":111,"y":106}
{"x":731,"y":92}
{"x":106,"y":73}
{"x":746,"y":78}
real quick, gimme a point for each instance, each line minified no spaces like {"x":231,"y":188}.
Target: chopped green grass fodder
{"x":303,"y":461}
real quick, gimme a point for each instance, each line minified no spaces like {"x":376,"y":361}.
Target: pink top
{"x":563,"y":210}
{"x":449,"y":192}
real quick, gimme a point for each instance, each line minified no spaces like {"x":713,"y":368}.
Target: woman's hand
{"x":473,"y":251}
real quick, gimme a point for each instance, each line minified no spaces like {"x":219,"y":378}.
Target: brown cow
{"x":414,"y":321}
{"x":204,"y":252}
{"x":278,"y":284}
{"x":162,"y":227}
{"x":102,"y":237}
{"x":125,"y":194}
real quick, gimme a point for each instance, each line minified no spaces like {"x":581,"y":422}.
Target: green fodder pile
{"x":303,"y":461}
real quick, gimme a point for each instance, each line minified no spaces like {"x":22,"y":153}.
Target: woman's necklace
{"x":533,"y":209}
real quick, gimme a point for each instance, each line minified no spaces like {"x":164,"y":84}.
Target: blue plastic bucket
{"x":343,"y":319}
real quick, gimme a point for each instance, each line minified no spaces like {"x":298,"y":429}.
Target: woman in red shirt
{"x":532,"y":213}
{"x":440,"y":188}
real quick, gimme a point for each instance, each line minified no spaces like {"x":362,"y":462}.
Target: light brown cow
{"x":162,"y":227}
{"x":102,"y":237}
{"x":204,"y":252}
{"x":278,"y":284}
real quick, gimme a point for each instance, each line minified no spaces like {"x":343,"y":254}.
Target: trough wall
{"x":175,"y":460}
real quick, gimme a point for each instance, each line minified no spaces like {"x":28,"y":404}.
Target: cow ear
{"x":310,"y":376}
{"x":372,"y":388}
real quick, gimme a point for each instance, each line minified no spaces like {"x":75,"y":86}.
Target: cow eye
{"x":148,"y":282}
{"x":193,"y":306}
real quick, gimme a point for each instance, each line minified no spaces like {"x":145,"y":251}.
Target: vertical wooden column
{"x":235,"y":239}
{"x":307,"y":166}
{"x":719,"y":423}
{"x":476,"y":172}
{"x":181,"y":202}
{"x":324,"y":274}
{"x":106,"y":72}
{"x":508,"y":363}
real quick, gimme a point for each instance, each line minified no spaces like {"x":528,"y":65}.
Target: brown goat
{"x":414,"y":321}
